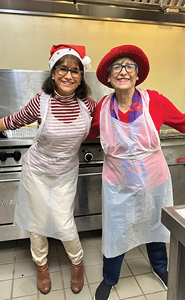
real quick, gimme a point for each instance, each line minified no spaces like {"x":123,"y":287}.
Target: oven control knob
{"x":17,"y":155}
{"x":88,"y":156}
{"x":3,"y":156}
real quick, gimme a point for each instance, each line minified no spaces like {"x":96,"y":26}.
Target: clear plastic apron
{"x":46,"y":202}
{"x":136,"y":181}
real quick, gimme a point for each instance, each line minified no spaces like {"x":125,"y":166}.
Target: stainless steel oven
{"x":88,"y":197}
{"x":9,"y":182}
{"x":11,"y":152}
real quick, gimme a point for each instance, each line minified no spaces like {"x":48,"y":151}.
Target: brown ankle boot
{"x":43,"y":279}
{"x":77,"y":278}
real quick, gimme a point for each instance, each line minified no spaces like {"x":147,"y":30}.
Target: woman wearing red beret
{"x":136,"y":179}
{"x":50,"y":166}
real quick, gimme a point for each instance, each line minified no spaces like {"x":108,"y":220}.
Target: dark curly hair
{"x":82,"y":91}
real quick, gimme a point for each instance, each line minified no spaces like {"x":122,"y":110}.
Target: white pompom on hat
{"x":58,"y":51}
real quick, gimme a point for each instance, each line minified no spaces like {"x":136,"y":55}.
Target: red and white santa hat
{"x":57,"y":51}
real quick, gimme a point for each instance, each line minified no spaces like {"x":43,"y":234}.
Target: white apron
{"x":46,"y":201}
{"x":136,"y":181}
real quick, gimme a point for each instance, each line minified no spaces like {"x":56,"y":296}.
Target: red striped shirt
{"x":65,"y":109}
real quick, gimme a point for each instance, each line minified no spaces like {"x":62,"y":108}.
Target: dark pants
{"x":157,"y":255}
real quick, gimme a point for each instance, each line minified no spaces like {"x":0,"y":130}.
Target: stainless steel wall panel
{"x":18,"y":87}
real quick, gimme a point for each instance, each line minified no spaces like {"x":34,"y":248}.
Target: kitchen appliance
{"x":88,"y":198}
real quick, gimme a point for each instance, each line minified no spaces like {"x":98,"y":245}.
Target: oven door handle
{"x":10,"y":180}
{"x":90,"y":164}
{"x":89,"y":174}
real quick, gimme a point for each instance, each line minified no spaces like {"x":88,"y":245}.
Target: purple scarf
{"x":136,"y":108}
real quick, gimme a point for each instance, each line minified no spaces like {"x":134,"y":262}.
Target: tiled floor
{"x":18,"y":276}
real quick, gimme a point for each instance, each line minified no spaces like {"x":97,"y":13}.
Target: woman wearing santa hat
{"x":50,"y":166}
{"x":136,"y":179}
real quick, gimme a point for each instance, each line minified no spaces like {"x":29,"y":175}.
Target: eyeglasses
{"x":129,"y":68}
{"x":62,"y":70}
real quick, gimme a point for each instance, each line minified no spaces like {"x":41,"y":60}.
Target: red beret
{"x":131,"y":51}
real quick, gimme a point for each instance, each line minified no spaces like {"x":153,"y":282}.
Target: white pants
{"x":39,"y":249}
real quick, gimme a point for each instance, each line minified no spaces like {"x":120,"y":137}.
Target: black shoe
{"x":103,"y":291}
{"x":163,"y":278}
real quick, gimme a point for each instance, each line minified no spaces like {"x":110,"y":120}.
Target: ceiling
{"x":167,"y":12}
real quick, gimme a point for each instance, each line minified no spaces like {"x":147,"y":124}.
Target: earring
{"x":108,"y":80}
{"x":137,"y":78}
{"x":52,"y":78}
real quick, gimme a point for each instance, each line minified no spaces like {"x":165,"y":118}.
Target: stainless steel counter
{"x":7,"y":142}
{"x":176,"y":224}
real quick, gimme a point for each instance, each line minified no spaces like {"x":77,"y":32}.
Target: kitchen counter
{"x":174,"y":219}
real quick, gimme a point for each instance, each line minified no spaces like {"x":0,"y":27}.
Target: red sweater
{"x":161,"y":110}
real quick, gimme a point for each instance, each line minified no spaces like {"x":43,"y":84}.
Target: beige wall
{"x":25,"y":42}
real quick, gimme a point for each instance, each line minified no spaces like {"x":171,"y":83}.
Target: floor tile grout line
{"x":141,"y":287}
{"x":63,"y":285}
{"x":12,"y":287}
